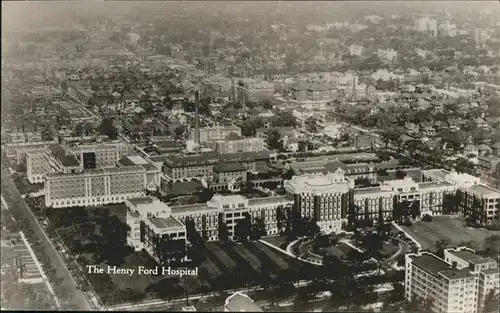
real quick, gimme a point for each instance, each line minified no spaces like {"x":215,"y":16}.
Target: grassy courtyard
{"x":97,"y":236}
{"x":449,"y":228}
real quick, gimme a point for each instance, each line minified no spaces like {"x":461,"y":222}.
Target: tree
{"x":415,"y":209}
{"x":78,"y":130}
{"x":274,"y":140}
{"x":491,"y":302}
{"x":223,"y":233}
{"x":440,"y":246}
{"x":107,"y":128}
{"x":285,"y":119}
{"x":179,"y":131}
{"x":188,"y":285}
{"x":288,"y":174}
{"x":242,"y":230}
{"x":166,"y":249}
{"x":491,"y":245}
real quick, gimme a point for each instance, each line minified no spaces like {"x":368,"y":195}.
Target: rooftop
{"x":168,"y":222}
{"x":471,"y":257}
{"x":66,"y":159}
{"x":267,"y":200}
{"x":229,"y":167}
{"x":189,"y":208}
{"x":434,"y":184}
{"x":140,"y":200}
{"x":485,"y":191}
{"x":437,"y":174}
{"x":434,"y":265}
{"x":239,"y":302}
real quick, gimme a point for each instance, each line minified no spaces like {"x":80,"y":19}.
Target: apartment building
{"x":451,"y":289}
{"x":214,"y":133}
{"x":326,"y":198}
{"x":256,"y":90}
{"x":457,"y":283}
{"x":35,"y":166}
{"x":94,"y":187}
{"x":239,"y":145}
{"x":486,"y":270}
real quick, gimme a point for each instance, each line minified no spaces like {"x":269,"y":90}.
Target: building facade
{"x":325,"y":198}
{"x":214,"y":133}
{"x":240,"y":145}
{"x":457,"y":283}
{"x":94,"y":187}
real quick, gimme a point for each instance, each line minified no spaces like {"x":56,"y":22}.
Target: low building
{"x":229,"y":176}
{"x":239,"y":302}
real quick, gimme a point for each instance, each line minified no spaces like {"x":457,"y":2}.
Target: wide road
{"x":15,"y":202}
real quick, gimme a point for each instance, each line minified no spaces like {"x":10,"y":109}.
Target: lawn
{"x":24,"y":186}
{"x":388,"y":249}
{"x":450,"y":228}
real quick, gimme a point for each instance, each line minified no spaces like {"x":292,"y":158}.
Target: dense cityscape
{"x":251,"y":156}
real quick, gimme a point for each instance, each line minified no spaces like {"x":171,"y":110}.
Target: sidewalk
{"x":40,"y":268}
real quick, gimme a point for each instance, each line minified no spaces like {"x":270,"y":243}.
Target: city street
{"x":14,"y":201}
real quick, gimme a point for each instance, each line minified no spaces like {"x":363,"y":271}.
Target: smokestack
{"x":197,"y":118}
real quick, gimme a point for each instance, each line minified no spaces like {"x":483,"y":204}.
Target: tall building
{"x":325,"y":198}
{"x":35,"y":166}
{"x":485,"y":269}
{"x":456,"y":284}
{"x":216,"y":132}
{"x":426,"y":24}
{"x":206,"y":216}
{"x":94,"y":187}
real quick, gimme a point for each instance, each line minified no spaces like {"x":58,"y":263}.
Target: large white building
{"x":94,"y":187}
{"x":214,"y":133}
{"x":206,"y":216}
{"x":326,"y":198}
{"x":456,"y":284}
{"x":239,"y":145}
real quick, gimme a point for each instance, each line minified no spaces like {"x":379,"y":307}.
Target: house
{"x":412,"y":128}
